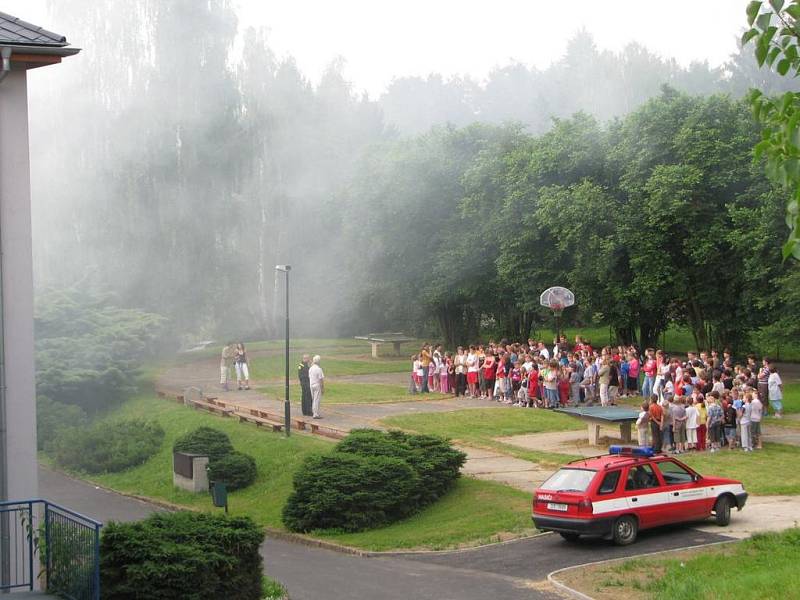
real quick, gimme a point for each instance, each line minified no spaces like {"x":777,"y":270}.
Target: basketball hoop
{"x":557,"y":299}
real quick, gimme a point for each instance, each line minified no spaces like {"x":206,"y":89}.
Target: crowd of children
{"x":699,"y":402}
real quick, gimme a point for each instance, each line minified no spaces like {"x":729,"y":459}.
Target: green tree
{"x":774,"y":30}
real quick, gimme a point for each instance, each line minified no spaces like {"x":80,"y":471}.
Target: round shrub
{"x":350,"y":492}
{"x":108,"y":447}
{"x":182,"y":555}
{"x":204,"y":440}
{"x":434,"y":460}
{"x":237,"y":470}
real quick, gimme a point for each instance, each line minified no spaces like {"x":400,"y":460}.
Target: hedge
{"x":436,"y":462}
{"x":183,"y":555}
{"x":237,"y":470}
{"x":350,"y":492}
{"x":204,"y":440}
{"x":372,"y":478}
{"x":108,"y":447}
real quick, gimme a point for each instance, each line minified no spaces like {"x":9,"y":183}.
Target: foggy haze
{"x":180,"y":157}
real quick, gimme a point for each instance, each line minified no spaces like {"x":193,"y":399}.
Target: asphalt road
{"x":511,"y":571}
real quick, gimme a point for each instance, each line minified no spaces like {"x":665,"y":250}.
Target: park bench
{"x":376,"y":339}
{"x":328,"y":431}
{"x":211,"y":407}
{"x":259,"y":421}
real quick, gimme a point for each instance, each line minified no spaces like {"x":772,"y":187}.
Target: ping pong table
{"x":595,"y":416}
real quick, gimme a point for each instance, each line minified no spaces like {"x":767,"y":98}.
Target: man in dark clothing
{"x":305,"y":386}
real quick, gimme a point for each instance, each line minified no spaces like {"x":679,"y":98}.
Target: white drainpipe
{"x":5,"y":68}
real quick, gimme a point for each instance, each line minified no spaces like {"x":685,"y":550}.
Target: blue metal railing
{"x":42,"y":541}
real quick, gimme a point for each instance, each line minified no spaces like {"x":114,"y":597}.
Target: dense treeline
{"x":177,"y":161}
{"x":656,"y":218}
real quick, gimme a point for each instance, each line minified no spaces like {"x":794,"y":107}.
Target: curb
{"x":573,"y":593}
{"x":333,"y":546}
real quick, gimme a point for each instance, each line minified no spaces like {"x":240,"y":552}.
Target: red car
{"x":630,"y":489}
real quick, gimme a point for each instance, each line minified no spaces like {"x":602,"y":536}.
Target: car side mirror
{"x":696,"y":477}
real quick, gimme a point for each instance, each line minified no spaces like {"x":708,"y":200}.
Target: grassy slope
{"x":764,"y":566}
{"x":473,"y":512}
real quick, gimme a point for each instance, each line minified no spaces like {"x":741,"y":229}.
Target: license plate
{"x":556,"y":506}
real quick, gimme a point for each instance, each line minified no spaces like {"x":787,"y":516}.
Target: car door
{"x":645,"y":495}
{"x":686,"y":493}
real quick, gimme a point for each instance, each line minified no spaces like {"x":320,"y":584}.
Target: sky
{"x":383,"y":39}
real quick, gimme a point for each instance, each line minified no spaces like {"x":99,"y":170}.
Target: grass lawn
{"x":764,"y":472}
{"x":479,"y":426}
{"x":349,"y":393}
{"x":272,"y":367}
{"x":478,"y":511}
{"x":474,"y":512}
{"x":300,"y":346}
{"x":764,"y":566}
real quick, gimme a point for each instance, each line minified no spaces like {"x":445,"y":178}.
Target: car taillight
{"x":585,"y":507}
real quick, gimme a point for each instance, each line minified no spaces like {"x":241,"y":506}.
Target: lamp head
{"x":284,"y":268}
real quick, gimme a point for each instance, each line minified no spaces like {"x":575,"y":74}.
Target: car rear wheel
{"x":722,"y":511}
{"x":625,"y":530}
{"x":570,"y":537}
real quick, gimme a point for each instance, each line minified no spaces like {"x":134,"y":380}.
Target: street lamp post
{"x":286,"y":406}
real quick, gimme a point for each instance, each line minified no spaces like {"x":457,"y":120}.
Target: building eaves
{"x":18,"y":32}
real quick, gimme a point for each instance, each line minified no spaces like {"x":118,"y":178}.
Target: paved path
{"x":511,"y":571}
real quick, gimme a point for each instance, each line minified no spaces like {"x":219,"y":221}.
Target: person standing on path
{"x":317,"y":380}
{"x":242,"y":370}
{"x":225,"y":362}
{"x":424,"y":363}
{"x":775,"y":390}
{"x":460,"y":372}
{"x":305,"y":386}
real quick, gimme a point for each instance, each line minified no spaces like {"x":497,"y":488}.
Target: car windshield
{"x":569,"y":480}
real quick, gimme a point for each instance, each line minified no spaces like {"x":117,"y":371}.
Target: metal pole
{"x":286,"y":406}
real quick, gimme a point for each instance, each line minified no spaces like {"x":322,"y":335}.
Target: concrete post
{"x":19,"y":455}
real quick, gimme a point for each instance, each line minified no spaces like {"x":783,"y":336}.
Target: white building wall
{"x":17,"y":290}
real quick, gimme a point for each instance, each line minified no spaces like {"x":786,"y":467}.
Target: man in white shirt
{"x":543,"y":351}
{"x":317,"y":379}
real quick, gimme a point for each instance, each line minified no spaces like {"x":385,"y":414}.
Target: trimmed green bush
{"x":237,"y":470}
{"x":108,"y":447}
{"x":182,"y":555}
{"x":350,"y":492}
{"x":205,"y":440}
{"x":436,"y":462}
{"x":372,"y":478}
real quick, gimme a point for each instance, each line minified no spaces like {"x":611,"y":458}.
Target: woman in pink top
{"x":633,"y":374}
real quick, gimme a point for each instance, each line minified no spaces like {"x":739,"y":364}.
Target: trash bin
{"x":219,"y":495}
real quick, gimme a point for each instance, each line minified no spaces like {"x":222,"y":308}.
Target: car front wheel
{"x":625,"y":530}
{"x":722,"y":511}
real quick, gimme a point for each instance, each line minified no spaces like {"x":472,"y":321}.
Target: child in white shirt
{"x":691,"y":425}
{"x":643,"y":425}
